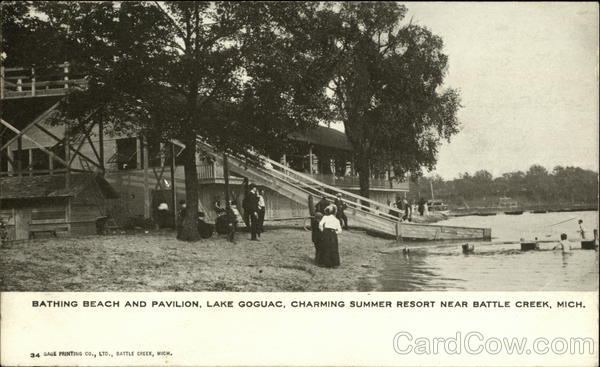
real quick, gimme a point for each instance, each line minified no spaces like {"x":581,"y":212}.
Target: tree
{"x":240,"y":75}
{"x":537,"y":182}
{"x":482,"y":183}
{"x":387,"y":88}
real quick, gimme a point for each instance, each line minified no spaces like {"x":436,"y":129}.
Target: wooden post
{"x":101,"y":141}
{"x":32,"y":82}
{"x":11,"y":162}
{"x":67,"y":157}
{"x":146,"y":189}
{"x":173,"y":188}
{"x":138,"y":155}
{"x":226,"y":178}
{"x":19,"y":85}
{"x":51,"y":165}
{"x":66,"y":71}
{"x":431,"y":186}
{"x":30,"y":163}
{"x":2,"y":82}
{"x":19,"y":156}
{"x":310,"y":160}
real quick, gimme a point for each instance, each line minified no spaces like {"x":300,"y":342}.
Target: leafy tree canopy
{"x":387,"y":88}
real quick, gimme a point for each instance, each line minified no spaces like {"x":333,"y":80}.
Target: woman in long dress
{"x":330,"y":227}
{"x":316,"y":236}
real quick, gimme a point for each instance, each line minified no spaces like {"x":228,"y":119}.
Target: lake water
{"x":498,"y":265}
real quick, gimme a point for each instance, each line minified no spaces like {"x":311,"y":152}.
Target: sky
{"x":528,"y":78}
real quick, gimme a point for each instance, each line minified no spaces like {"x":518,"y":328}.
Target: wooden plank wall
{"x":85,"y":208}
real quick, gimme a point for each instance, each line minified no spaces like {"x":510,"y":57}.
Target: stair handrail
{"x":322,"y":184}
{"x":313,"y":191}
{"x":288,"y":173}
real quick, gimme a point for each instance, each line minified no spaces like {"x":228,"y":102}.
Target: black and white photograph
{"x":363,"y":147}
{"x":150,"y":146}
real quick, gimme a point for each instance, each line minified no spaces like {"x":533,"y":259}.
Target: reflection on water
{"x":496,"y":265}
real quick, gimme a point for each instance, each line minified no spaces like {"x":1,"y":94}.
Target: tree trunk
{"x":189,"y":230}
{"x":364,"y":173}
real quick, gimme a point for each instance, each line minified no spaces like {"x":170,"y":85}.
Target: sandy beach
{"x":156,"y":261}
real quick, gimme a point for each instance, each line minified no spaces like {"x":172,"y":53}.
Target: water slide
{"x":362,"y":212}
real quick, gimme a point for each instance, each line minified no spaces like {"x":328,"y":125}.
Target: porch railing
{"x":26,"y":82}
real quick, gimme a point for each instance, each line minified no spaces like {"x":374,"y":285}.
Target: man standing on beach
{"x":252,"y":210}
{"x":163,"y":215}
{"x":245,"y":201}
{"x":322,"y":204}
{"x":261,"y":211}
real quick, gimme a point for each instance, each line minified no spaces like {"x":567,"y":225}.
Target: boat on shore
{"x":514,"y":212}
{"x":437,"y":206}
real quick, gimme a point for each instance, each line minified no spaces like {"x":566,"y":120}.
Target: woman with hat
{"x":330,"y":227}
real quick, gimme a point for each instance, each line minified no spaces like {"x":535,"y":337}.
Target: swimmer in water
{"x":563,"y":244}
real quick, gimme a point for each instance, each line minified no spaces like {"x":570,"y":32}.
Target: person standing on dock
{"x":422,"y":206}
{"x":330,"y":228}
{"x":407,"y":206}
{"x":581,"y":229}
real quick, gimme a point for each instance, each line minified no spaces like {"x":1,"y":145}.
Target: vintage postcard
{"x":299,"y":183}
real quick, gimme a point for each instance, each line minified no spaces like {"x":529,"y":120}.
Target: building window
{"x":154,"y":153}
{"x":161,"y":154}
{"x":126,"y":153}
{"x":59,"y":151}
{"x":23,"y":157}
{"x":48,"y":214}
{"x":39,"y":160}
{"x":179,"y":156}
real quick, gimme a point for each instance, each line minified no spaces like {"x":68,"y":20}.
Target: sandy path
{"x":281,"y":261}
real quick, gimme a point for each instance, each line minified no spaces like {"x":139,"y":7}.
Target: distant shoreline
{"x":479,"y":210}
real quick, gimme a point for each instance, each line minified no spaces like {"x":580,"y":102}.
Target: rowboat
{"x":514,"y":212}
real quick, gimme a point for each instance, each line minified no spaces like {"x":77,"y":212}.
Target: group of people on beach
{"x":327,"y":223}
{"x":253,"y":207}
{"x":228,"y":215}
{"x":406,"y":206}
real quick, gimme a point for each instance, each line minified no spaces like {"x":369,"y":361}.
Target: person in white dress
{"x":330,"y":228}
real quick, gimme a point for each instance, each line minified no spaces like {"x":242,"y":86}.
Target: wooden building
{"x":46,"y":205}
{"x":139,"y":169}
{"x":54,"y":181}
